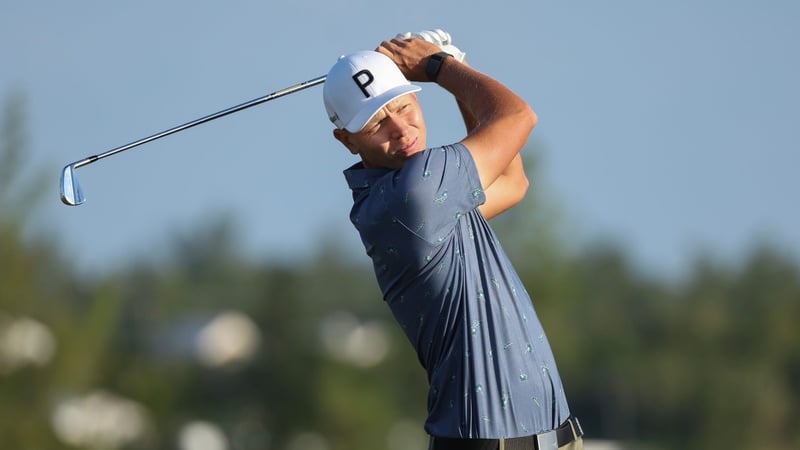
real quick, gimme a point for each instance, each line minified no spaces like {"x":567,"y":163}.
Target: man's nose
{"x":399,"y":126}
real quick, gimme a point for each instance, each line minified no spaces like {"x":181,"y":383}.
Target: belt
{"x":549,"y":440}
{"x":568,"y":432}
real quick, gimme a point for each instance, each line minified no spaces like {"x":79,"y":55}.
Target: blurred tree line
{"x":209,"y":350}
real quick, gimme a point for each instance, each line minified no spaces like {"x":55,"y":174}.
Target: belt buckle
{"x":547,"y":441}
{"x":577,"y":425}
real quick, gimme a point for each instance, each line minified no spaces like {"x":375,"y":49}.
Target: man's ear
{"x":343,"y":136}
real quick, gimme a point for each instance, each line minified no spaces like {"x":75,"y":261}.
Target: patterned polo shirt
{"x":454,"y":292}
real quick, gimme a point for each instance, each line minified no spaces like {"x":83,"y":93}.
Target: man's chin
{"x":408,"y":154}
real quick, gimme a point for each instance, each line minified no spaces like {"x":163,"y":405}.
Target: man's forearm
{"x":482,"y":97}
{"x":470,"y":122}
{"x":510,"y":187}
{"x":507,"y":190}
{"x":498,"y":121}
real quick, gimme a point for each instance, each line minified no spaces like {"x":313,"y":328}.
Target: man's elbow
{"x":517,"y":189}
{"x":522,"y":186}
{"x":531,"y":119}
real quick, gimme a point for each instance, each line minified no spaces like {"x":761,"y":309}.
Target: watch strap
{"x":434,"y":65}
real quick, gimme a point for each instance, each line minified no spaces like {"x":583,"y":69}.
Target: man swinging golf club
{"x":422,"y":216}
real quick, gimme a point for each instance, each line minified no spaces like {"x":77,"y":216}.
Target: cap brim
{"x":374,"y":105}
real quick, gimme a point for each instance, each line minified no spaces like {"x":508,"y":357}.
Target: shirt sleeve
{"x":434,"y":190}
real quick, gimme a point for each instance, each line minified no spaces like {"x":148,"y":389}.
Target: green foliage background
{"x":710,"y":361}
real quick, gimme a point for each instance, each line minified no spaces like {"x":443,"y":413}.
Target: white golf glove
{"x":439,"y":37}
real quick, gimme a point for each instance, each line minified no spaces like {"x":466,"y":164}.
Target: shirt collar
{"x":358,"y":177}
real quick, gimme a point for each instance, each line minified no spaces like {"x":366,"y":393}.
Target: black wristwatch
{"x":435,"y":65}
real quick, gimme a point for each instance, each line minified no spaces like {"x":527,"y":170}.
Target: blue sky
{"x":668,"y":126}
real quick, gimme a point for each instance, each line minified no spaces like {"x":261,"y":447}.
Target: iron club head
{"x":71,"y":192}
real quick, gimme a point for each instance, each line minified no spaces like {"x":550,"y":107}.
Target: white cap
{"x":359,"y":85}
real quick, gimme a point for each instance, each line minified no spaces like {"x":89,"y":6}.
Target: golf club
{"x":71,"y":192}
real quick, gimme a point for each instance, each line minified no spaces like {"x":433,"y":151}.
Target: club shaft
{"x":208,"y":118}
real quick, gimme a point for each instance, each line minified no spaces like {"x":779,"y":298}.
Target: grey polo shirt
{"x":454,"y":292}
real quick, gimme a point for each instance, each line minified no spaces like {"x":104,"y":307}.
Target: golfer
{"x":422,"y":216}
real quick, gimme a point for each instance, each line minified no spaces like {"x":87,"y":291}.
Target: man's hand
{"x":411,"y":56}
{"x":439,"y":37}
